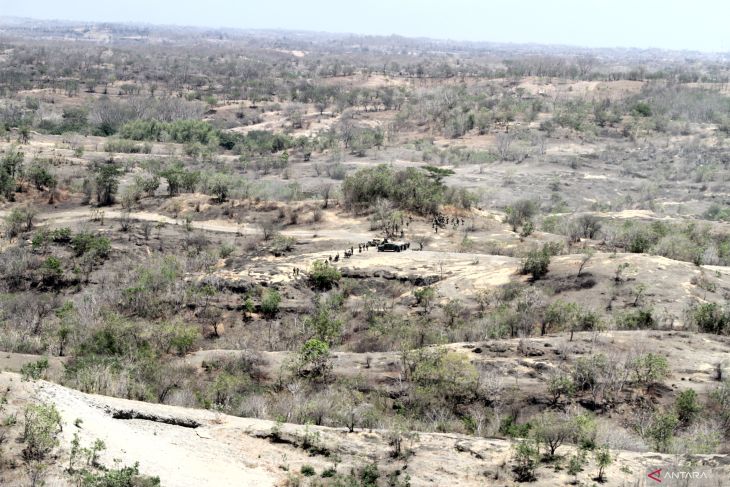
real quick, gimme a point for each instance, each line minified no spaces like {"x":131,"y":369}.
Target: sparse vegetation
{"x":523,"y":249}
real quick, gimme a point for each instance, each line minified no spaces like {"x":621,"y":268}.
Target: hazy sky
{"x":672,"y":24}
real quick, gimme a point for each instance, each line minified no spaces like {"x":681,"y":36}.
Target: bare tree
{"x":504,"y":141}
{"x":268,"y":228}
{"x":584,"y":259}
{"x":585,"y":65}
{"x":325,"y":190}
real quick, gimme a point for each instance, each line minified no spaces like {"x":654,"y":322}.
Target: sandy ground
{"x":57,"y":218}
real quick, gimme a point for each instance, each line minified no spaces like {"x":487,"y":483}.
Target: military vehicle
{"x":393,"y":246}
{"x":376,"y":241}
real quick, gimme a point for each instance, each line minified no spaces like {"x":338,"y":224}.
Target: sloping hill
{"x":187,"y":447}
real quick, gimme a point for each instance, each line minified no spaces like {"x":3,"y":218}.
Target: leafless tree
{"x":268,"y":228}
{"x":504,"y":141}
{"x":325,"y":190}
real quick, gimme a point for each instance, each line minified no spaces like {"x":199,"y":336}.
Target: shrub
{"x":34,"y":370}
{"x":40,"y":434}
{"x":520,"y":212}
{"x":148,"y":185}
{"x":40,"y":176}
{"x":576,"y":462}
{"x":536,"y":263}
{"x":107,"y":182}
{"x":642,"y":109}
{"x":710,"y":318}
{"x":19,"y":220}
{"x":661,"y":430}
{"x":425,"y":296}
{"x":408,"y":189}
{"x":323,"y":275}
{"x":220,"y":188}
{"x":588,"y":226}
{"x":640,"y":319}
{"x":179,"y":179}
{"x":127,"y":146}
{"x":525,"y":461}
{"x":560,"y":385}
{"x":509,"y":427}
{"x":314,"y":358}
{"x":121,"y":477}
{"x":308,"y":470}
{"x":717,"y":213}
{"x":720,"y":403}
{"x":443,"y":376}
{"x":281,"y":244}
{"x":225,"y":250}
{"x":369,"y":475}
{"x":270,"y":302}
{"x":322,"y":324}
{"x":181,"y":131}
{"x":687,"y":406}
{"x":88,"y":243}
{"x":603,"y":460}
{"x":183,"y":338}
{"x":60,"y":235}
{"x":51,"y":270}
{"x":649,"y":368}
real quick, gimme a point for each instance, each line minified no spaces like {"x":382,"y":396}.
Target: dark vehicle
{"x":393,"y":247}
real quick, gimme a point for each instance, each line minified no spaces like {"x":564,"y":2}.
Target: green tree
{"x":443,"y":376}
{"x":270,"y":302}
{"x":649,"y":368}
{"x":559,"y":316}
{"x":107,"y":182}
{"x":560,"y":385}
{"x":11,"y":162}
{"x":323,"y":275}
{"x":711,"y":318}
{"x":520,"y":212}
{"x":525,"y":460}
{"x":603,"y":460}
{"x":661,"y":430}
{"x":314,"y":359}
{"x":220,"y":188}
{"x":687,"y":406}
{"x":51,"y":270}
{"x":322,"y":324}
{"x":425,"y":297}
{"x":41,"y":177}
{"x":536,"y":263}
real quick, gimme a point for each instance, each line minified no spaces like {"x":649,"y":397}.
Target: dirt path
{"x":222,"y":226}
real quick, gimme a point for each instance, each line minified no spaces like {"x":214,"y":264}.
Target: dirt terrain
{"x":224,"y":451}
{"x":189,"y":269}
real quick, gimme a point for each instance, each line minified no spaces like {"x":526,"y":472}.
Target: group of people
{"x":394,"y":228}
{"x":441,"y":221}
{"x":351,"y":251}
